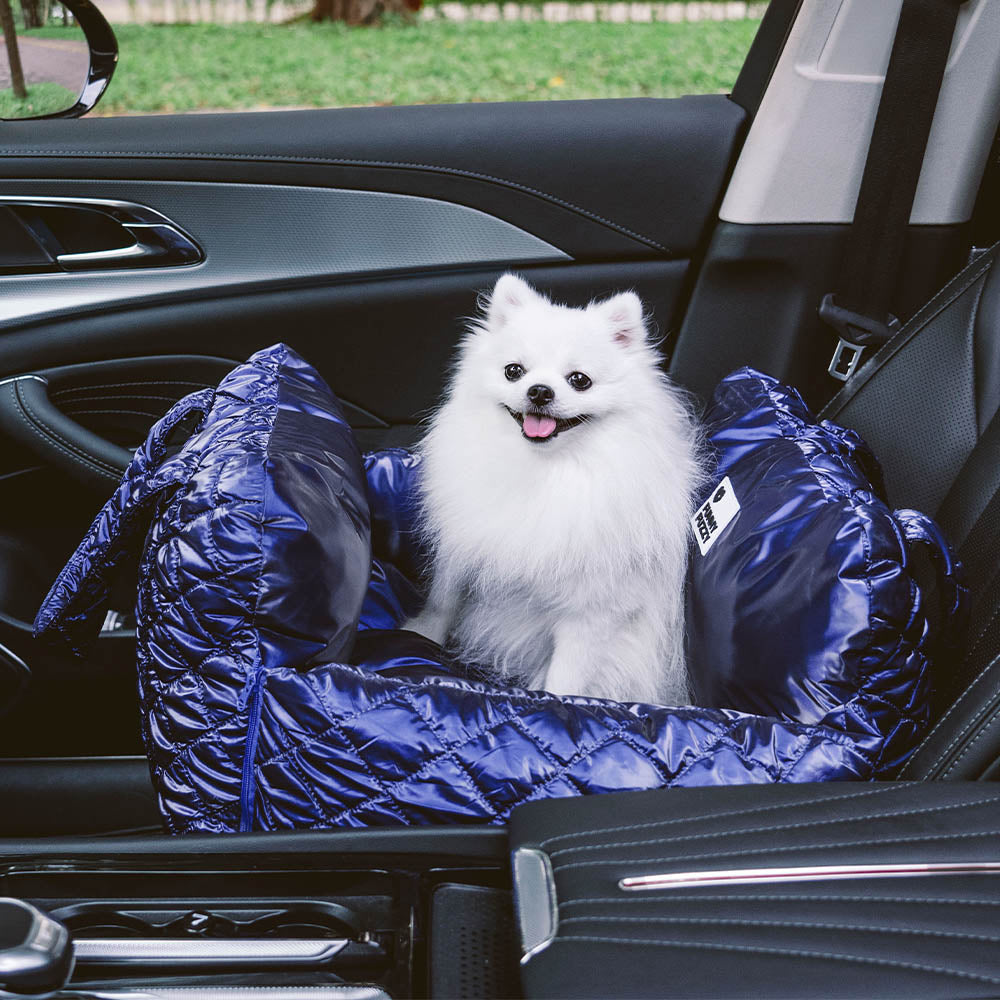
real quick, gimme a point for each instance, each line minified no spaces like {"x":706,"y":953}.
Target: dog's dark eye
{"x":579,"y":381}
{"x":514,"y":372}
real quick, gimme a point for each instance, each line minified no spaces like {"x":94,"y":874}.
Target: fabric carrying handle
{"x":77,"y":600}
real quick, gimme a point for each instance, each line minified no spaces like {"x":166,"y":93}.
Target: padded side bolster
{"x":28,"y":416}
{"x":760,"y":927}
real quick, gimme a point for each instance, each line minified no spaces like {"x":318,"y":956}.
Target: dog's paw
{"x":432,"y":627}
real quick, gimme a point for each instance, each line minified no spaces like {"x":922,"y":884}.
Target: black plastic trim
{"x":768,"y":44}
{"x":380,"y":847}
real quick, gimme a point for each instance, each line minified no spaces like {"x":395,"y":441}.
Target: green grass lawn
{"x":42,"y":99}
{"x":192,"y":67}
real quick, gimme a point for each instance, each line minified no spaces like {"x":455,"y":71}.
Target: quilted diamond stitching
{"x":482,"y":795}
{"x":543,"y":747}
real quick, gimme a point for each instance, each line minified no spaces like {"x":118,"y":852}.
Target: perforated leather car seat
{"x":927,"y":403}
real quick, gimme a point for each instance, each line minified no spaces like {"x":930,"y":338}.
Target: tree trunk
{"x":13,"y":55}
{"x":359,"y":11}
{"x":35,"y":13}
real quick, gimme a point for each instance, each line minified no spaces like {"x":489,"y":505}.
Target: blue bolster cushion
{"x":278,"y":691}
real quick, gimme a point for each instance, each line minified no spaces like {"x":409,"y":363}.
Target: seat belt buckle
{"x":856,"y":332}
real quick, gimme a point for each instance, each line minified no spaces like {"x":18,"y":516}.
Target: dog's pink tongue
{"x":536,"y":426}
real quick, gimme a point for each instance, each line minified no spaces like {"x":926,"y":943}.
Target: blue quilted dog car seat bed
{"x":278,"y":692}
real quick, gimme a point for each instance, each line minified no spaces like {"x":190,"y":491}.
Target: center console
{"x":354,"y":915}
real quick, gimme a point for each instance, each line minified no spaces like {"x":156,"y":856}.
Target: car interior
{"x":142,"y":257}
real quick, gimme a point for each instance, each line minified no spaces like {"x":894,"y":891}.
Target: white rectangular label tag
{"x":714,"y":514}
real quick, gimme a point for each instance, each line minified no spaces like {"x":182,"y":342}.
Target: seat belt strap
{"x":859,"y":309}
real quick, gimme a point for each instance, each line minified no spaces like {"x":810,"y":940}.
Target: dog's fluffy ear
{"x":509,"y":294}
{"x":623,"y":313}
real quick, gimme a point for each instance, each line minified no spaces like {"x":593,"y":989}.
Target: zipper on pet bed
{"x":253,"y":693}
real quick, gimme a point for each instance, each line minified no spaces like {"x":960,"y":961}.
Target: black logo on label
{"x":706,"y":523}
{"x":719,"y":494}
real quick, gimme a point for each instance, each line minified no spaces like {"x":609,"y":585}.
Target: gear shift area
{"x":36,"y":952}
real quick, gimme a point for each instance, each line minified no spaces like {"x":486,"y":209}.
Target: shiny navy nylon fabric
{"x":257,"y":555}
{"x":265,"y":735}
{"x":817,"y":604}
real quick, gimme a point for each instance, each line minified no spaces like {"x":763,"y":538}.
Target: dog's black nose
{"x":541,"y":395}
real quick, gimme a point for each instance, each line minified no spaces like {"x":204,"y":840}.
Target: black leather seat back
{"x":923,"y":402}
{"x":929,"y":406}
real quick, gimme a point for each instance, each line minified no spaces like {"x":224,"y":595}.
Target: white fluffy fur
{"x":561,"y":564}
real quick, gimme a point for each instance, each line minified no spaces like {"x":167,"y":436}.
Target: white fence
{"x":276,"y":11}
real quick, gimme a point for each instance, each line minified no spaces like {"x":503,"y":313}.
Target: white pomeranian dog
{"x":557,"y":486}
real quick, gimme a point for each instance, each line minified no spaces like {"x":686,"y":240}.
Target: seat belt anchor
{"x":856,"y":332}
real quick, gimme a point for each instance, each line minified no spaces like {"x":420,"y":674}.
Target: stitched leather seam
{"x":744,"y":852}
{"x":971,"y":724}
{"x":967,"y":693}
{"x":348,"y":162}
{"x":787,"y":924}
{"x":101,"y":397}
{"x":790,"y":952}
{"x":980,"y":735}
{"x":126,"y":385}
{"x":51,"y":438}
{"x":43,"y":427}
{"x":926,"y":811}
{"x":654,"y":824}
{"x":125,"y":413}
{"x":982,"y":632}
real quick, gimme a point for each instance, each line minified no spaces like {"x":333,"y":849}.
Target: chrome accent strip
{"x":97,"y":257}
{"x":206,"y":951}
{"x":17,"y":378}
{"x":331,"y":991}
{"x":815,"y":873}
{"x":534,"y":900}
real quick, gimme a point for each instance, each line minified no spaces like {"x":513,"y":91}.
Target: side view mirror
{"x":56,"y":60}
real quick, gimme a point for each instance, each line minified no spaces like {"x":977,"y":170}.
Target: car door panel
{"x":598,"y":179}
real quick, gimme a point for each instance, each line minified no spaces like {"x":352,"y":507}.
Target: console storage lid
{"x":881,"y":889}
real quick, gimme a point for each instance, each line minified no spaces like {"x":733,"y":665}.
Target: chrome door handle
{"x":155,"y":246}
{"x":52,"y":222}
